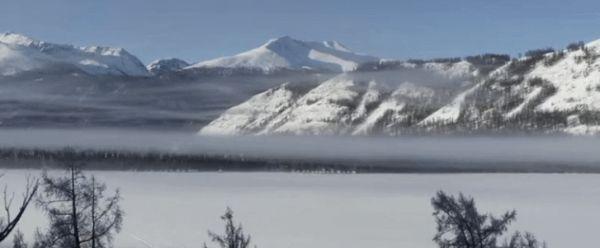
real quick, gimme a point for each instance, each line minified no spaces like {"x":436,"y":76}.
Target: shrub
{"x":555,"y":57}
{"x":488,"y":59}
{"x":575,"y":46}
{"x":539,"y":53}
{"x":459,"y":223}
{"x":233,"y":237}
{"x":536,"y":81}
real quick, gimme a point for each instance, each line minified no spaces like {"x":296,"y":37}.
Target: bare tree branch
{"x":9,"y":225}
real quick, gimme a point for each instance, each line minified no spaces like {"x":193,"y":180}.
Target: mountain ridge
{"x":290,"y":53}
{"x":20,"y":53}
{"x":162,"y":66}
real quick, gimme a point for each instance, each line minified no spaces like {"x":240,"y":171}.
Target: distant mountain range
{"x":21,"y":54}
{"x":302,"y":88}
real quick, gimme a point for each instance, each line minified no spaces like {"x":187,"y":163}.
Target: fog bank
{"x":566,"y":150}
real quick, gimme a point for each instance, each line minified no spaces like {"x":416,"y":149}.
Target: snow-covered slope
{"x":253,"y":115}
{"x":19,"y":53}
{"x":289,"y":53}
{"x":450,"y":112}
{"x":166,"y":65}
{"x":576,"y":78}
{"x":348,"y":104}
{"x":538,"y":92}
{"x":542,"y":92}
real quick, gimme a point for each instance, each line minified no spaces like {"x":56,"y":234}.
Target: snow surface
{"x":323,"y":110}
{"x":254,"y":114}
{"x":576,"y":82}
{"x":391,"y":108}
{"x":286,"y":52}
{"x":450,"y":112}
{"x":529,"y":98}
{"x":174,"y":210}
{"x":19,"y":53}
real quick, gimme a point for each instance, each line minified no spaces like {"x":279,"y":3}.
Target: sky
{"x":197,"y":30}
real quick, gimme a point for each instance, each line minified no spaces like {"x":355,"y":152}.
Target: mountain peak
{"x":288,"y":40}
{"x":284,"y":42}
{"x":161,"y":66}
{"x":282,"y":39}
{"x":289,"y":53}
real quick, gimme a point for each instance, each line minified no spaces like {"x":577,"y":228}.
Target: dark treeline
{"x":35,"y":158}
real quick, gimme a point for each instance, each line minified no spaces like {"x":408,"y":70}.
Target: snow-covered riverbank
{"x":167,"y":210}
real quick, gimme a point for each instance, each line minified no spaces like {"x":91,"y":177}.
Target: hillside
{"x":545,"y":91}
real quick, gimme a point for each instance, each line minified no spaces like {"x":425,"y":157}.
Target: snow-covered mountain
{"x":338,"y":106}
{"x":289,"y":53}
{"x":546,"y":91}
{"x":19,"y":53}
{"x":349,"y":104}
{"x":162,"y":66}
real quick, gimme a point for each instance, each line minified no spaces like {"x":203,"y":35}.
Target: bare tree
{"x":233,"y":237}
{"x":8,"y":222}
{"x":460,"y":225}
{"x":79,"y":213}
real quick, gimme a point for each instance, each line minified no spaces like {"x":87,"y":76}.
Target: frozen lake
{"x":168,"y":210}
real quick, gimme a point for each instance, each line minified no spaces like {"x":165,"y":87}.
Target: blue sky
{"x":201,"y":29}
